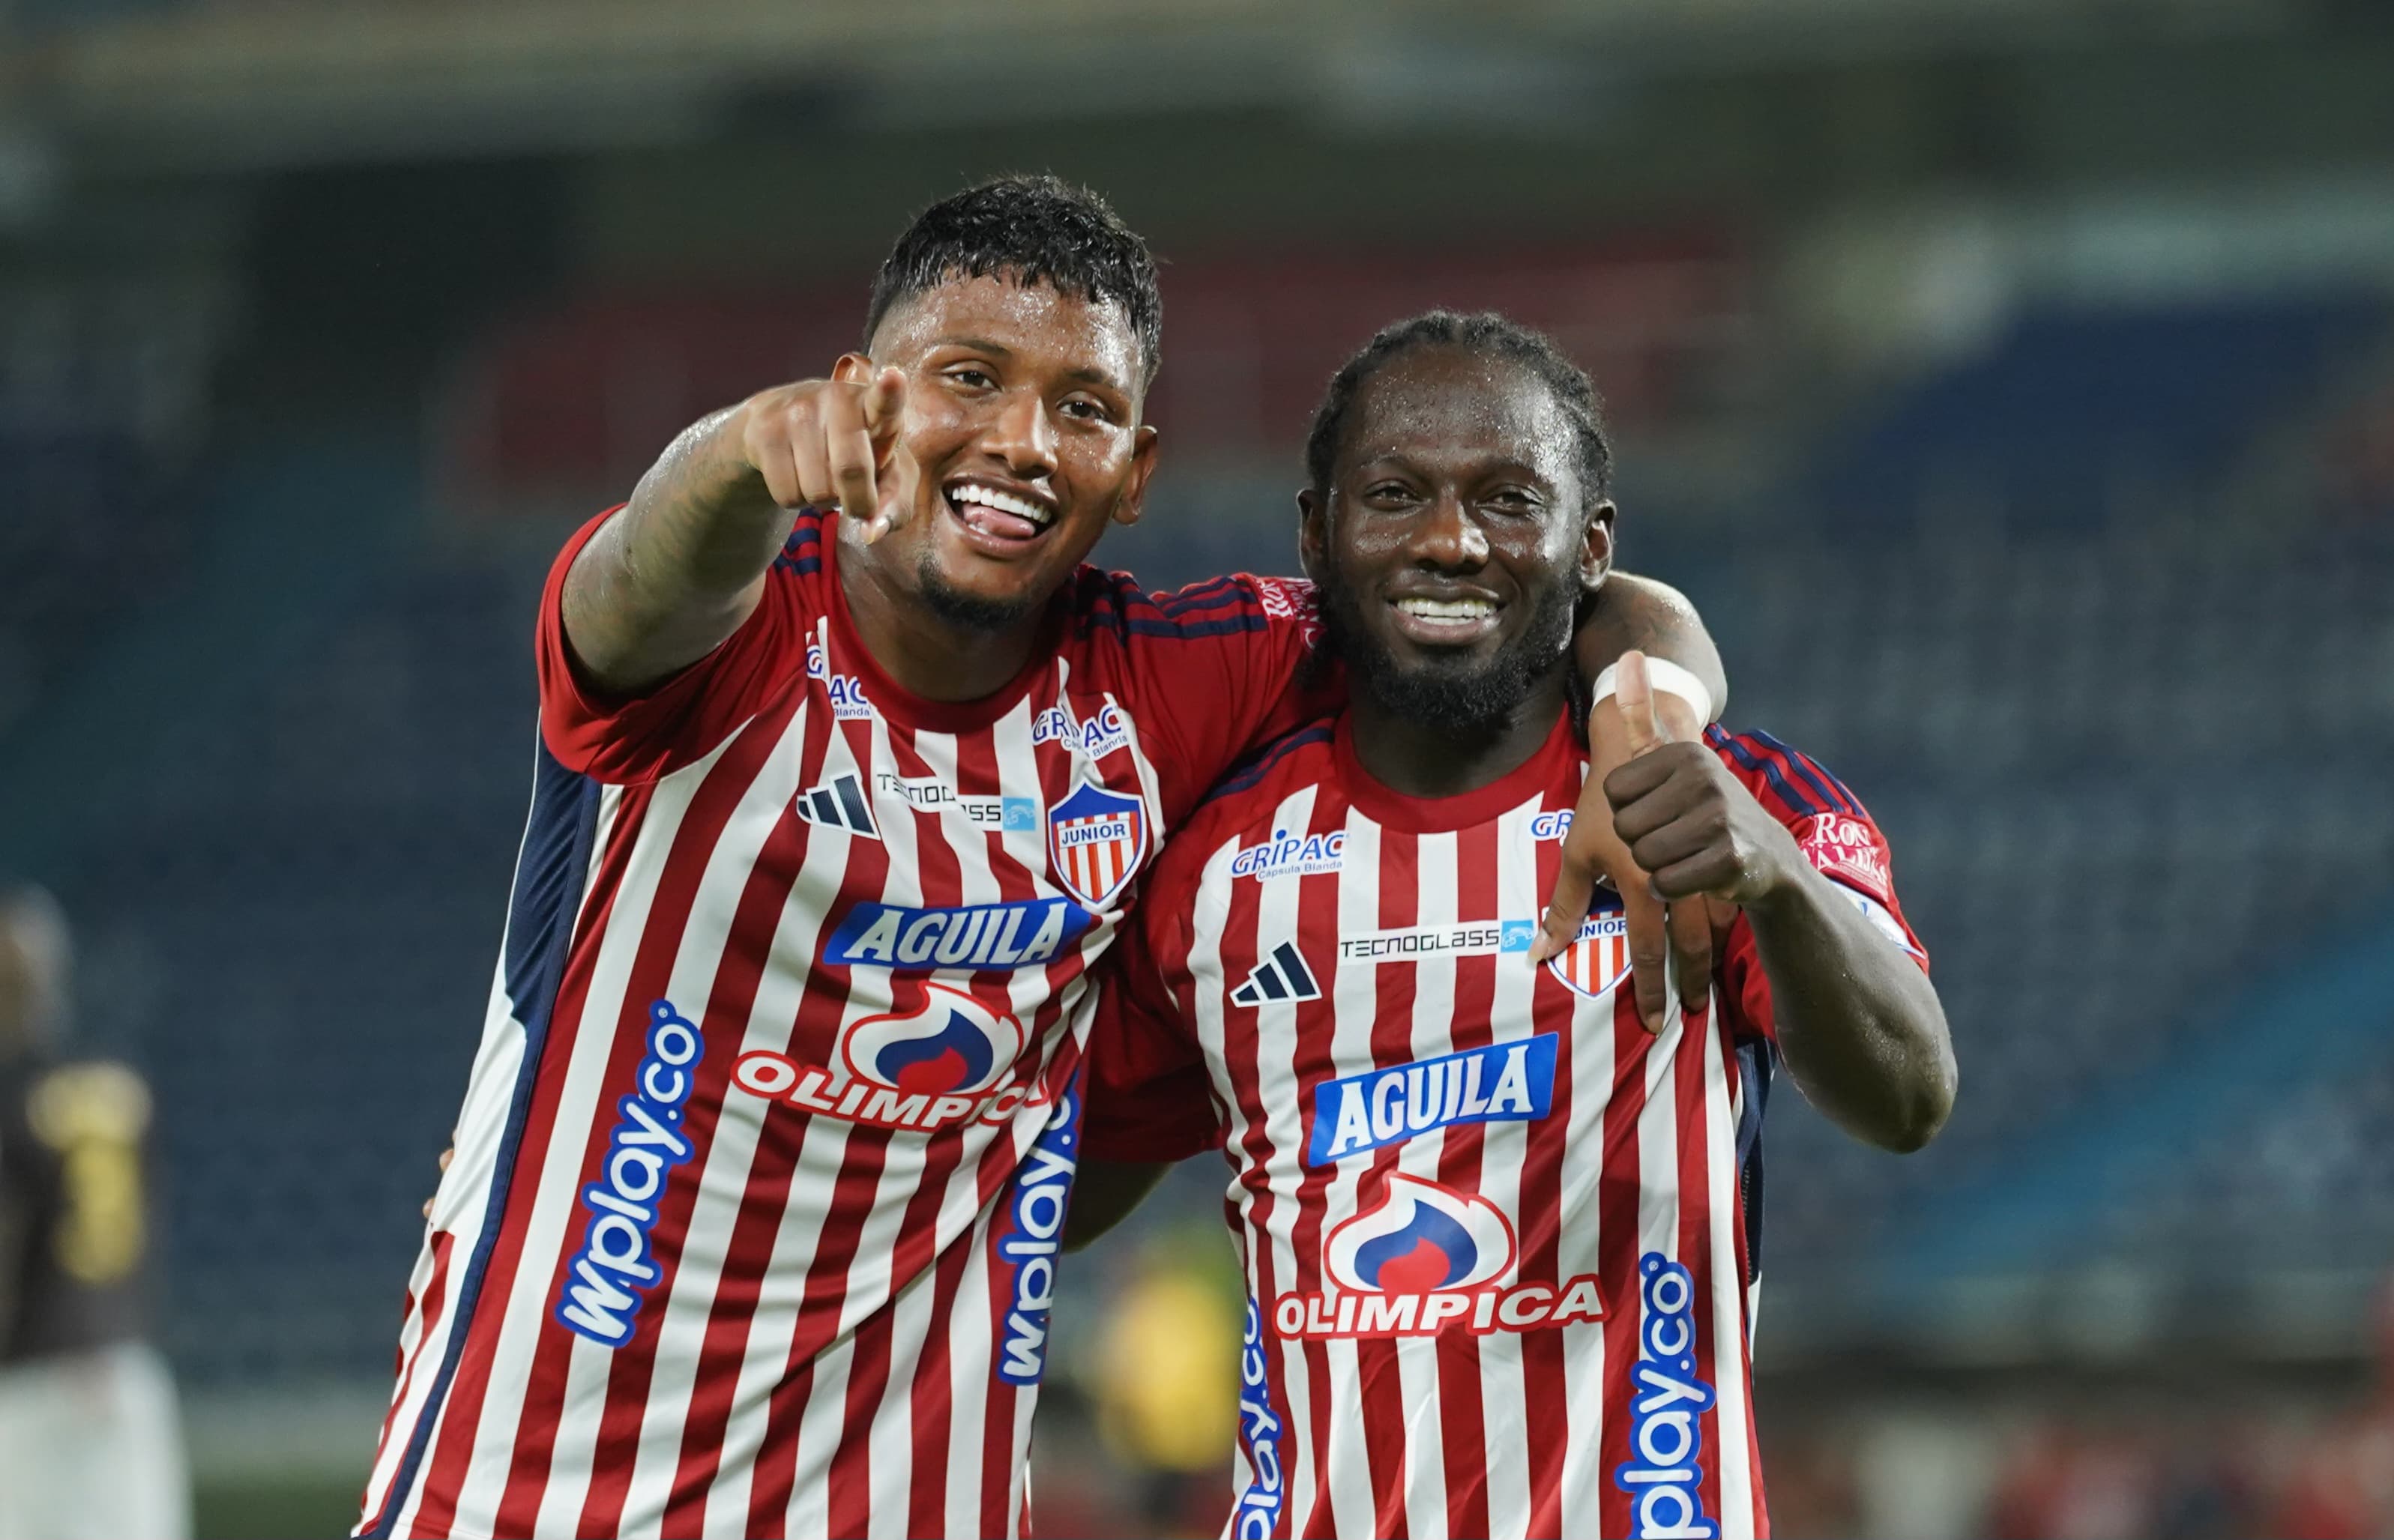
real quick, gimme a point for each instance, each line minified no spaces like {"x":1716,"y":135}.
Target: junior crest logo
{"x":1598,"y":958}
{"x":1096,"y":840}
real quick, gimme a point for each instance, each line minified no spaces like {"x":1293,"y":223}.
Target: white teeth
{"x":1448,"y":609}
{"x":1004,"y":502}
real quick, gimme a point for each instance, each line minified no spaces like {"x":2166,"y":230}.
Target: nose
{"x":1024,"y":437}
{"x":1449,"y":539}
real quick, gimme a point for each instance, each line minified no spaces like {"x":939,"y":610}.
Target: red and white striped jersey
{"x":1497,"y":1239}
{"x":752,"y":1225}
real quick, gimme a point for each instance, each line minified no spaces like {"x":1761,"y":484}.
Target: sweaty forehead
{"x":1034,"y":321}
{"x":1451,"y":403}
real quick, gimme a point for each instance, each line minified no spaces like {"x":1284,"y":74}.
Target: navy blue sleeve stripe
{"x":1207,"y":596}
{"x":1191,"y":630}
{"x":550,"y":869}
{"x":1737,"y":749}
{"x":805,"y":566}
{"x":1245,"y":779}
{"x":1814,"y":776}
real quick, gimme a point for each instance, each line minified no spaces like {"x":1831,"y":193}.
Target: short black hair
{"x":1485,"y":333}
{"x":1031,"y":230}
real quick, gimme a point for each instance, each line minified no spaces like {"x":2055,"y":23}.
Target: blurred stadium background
{"x":2010,"y":381}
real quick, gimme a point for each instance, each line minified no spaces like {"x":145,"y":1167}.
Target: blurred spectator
{"x":89,"y":1442}
{"x":1167,"y":1383}
{"x":2360,"y":457}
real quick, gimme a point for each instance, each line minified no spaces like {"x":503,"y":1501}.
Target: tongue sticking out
{"x":995,"y":522}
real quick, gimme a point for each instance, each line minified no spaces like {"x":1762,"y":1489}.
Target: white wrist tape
{"x":1668,"y":679}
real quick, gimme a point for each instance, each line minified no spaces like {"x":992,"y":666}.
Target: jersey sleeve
{"x":1149,"y":1098}
{"x":1220,"y":668}
{"x":627,"y":740}
{"x":1836,"y":834}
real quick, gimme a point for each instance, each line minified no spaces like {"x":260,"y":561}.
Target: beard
{"x":969,"y":611}
{"x":1456,"y":696}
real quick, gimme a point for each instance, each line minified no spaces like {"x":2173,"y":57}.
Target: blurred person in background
{"x":1499,"y":1233}
{"x":90,"y":1443}
{"x":849,"y":768}
{"x":1168,"y":1411}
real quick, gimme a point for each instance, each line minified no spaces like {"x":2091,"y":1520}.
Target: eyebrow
{"x":999,"y":349}
{"x":1506,"y":466}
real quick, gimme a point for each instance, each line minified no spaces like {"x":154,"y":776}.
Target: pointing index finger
{"x":885,"y":404}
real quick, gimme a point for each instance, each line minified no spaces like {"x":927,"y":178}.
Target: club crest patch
{"x":1599,"y":957}
{"x":1096,"y":840}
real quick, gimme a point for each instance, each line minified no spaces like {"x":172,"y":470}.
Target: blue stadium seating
{"x":2126,"y":760}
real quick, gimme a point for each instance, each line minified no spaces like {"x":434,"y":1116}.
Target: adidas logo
{"x":1282,"y":975}
{"x":838,"y":803}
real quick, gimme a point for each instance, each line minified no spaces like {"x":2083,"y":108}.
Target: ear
{"x":1596,"y":548}
{"x":854,"y":369}
{"x":1133,"y":501}
{"x":1312,"y":534}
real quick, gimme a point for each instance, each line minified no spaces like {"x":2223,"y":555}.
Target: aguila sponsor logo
{"x":974,"y":937}
{"x":932,"y":1063}
{"x":1425,"y":1259}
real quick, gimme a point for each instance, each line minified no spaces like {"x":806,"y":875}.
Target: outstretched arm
{"x":682,"y":565}
{"x":1859,"y":1023}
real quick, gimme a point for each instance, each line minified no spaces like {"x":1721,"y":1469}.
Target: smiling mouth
{"x":1447,"y":621}
{"x":997,"y":513}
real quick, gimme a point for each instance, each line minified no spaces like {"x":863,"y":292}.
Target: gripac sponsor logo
{"x":1288,"y":855}
{"x":1093,"y":737}
{"x":976,"y":937}
{"x":1027,"y":1252}
{"x":936,"y":1061}
{"x":1502,"y":1082}
{"x":1667,"y":1401}
{"x":1471,"y":938}
{"x":1553,"y":825}
{"x":1848,"y":848}
{"x":1257,"y":1514}
{"x":606,"y":1279}
{"x":847,"y":692}
{"x":1425,"y":1259}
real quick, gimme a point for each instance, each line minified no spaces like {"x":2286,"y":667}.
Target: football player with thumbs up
{"x":1500,"y":1221}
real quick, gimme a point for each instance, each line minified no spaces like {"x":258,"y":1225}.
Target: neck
{"x":1416,"y":759}
{"x":928,"y":656}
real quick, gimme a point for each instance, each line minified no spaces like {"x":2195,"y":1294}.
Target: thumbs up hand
{"x":1665,"y":943}
{"x":1685,"y":819}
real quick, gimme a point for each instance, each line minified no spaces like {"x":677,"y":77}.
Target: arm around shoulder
{"x":1637,"y":613}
